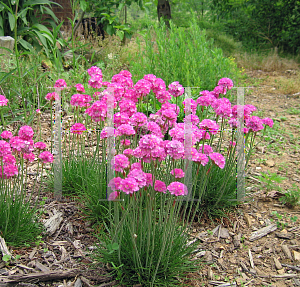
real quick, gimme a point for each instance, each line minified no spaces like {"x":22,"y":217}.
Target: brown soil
{"x":230,"y":258}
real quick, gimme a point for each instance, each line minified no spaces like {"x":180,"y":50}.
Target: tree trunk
{"x":164,"y":11}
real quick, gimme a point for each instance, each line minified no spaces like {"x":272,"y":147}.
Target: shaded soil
{"x":229,"y":256}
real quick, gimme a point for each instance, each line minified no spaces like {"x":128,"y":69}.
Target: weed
{"x":269,"y":179}
{"x":292,"y":197}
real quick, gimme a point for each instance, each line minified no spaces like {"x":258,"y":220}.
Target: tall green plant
{"x":183,"y":55}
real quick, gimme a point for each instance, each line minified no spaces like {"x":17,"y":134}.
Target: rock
{"x":224,"y":233}
{"x":286,"y":251}
{"x":6,"y":42}
{"x":270,"y":163}
{"x":296,"y":255}
{"x":208,"y":257}
{"x":280,"y":271}
{"x":277,"y":263}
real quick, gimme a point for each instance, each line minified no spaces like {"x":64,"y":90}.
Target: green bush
{"x":183,"y":55}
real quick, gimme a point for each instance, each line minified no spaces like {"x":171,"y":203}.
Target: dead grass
{"x":267,"y":63}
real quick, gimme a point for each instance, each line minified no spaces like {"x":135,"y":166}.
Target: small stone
{"x":277,"y":264}
{"x":280,"y":271}
{"x":224,"y":233}
{"x":270,"y":163}
{"x":296,"y":255}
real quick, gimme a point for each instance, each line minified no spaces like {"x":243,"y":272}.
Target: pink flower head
{"x":206,"y":149}
{"x":175,"y":149}
{"x":52,"y":96}
{"x":142,"y":88}
{"x":78,"y":128}
{"x":206,"y":99}
{"x":113,"y":195}
{"x":175,"y":89}
{"x":160,"y":186}
{"x":155,"y":129}
{"x":5,"y":148}
{"x":60,"y":83}
{"x":38,"y":111}
{"x":209,"y":125}
{"x":79,"y":88}
{"x":169,"y":115}
{"x":192,"y":119}
{"x":138,"y":119}
{"x":234,"y":123}
{"x":40,"y":145}
{"x":223,"y":110}
{"x":80,"y":100}
{"x":9,"y":159}
{"x":177,"y":188}
{"x":29,"y":156}
{"x":120,"y":119}
{"x":177,"y":133}
{"x":201,"y":158}
{"x":226,"y":83}
{"x":28,"y":146}
{"x":150,"y":78}
{"x":158,"y":153}
{"x":9,"y":171}
{"x":107,"y":132}
{"x":115,"y":183}
{"x":6,"y":135}
{"x":94,"y":70}
{"x":137,"y":165}
{"x":193,"y":105}
{"x":217,"y":159}
{"x":129,"y":185}
{"x":243,"y":112}
{"x":97,"y":111}
{"x":149,"y":180}
{"x":26,"y":133}
{"x":149,"y":142}
{"x":127,"y":107}
{"x":163,"y":96}
{"x":219,"y":90}
{"x":158,"y":85}
{"x":128,"y":152}
{"x":120,"y":162}
{"x":125,"y":82}
{"x":232,"y":144}
{"x":3,"y":101}
{"x":95,"y":81}
{"x":46,"y":157}
{"x":268,"y":122}
{"x":17,"y":143}
{"x":177,"y":172}
{"x":125,"y":129}
{"x":139,"y":176}
{"x":126,"y":74}
{"x":254,"y":124}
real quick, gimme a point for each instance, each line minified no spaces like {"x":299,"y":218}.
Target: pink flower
{"x":107,"y":132}
{"x":160,"y":186}
{"x":169,"y":115}
{"x":209,"y":125}
{"x":29,"y":156}
{"x":46,"y":157}
{"x":126,"y":74}
{"x":51,"y":96}
{"x":120,"y":162}
{"x":200,"y":158}
{"x":163,"y":96}
{"x":206,"y":149}
{"x":127,"y":106}
{"x":78,"y":128}
{"x":158,"y":85}
{"x":125,"y":82}
{"x":60,"y":83}
{"x":149,"y":180}
{"x":177,"y":172}
{"x":219,"y":90}
{"x":9,"y":171}
{"x":115,"y":183}
{"x":113,"y":196}
{"x":28,"y":146}
{"x":192,"y":118}
{"x":17,"y":144}
{"x":226,"y":83}
{"x":138,"y":119}
{"x":139,"y":176}
{"x":206,"y":99}
{"x":9,"y":159}
{"x":125,"y":142}
{"x":193,"y":105}
{"x":175,"y":149}
{"x":95,"y":81}
{"x":234,"y":123}
{"x":3,"y":101}
{"x":142,"y":88}
{"x":223,"y":110}
{"x":6,"y":135}
{"x":4,"y":148}
{"x":79,"y":88}
{"x":94,"y":70}
{"x":125,"y":129}
{"x":150,"y":78}
{"x":128,"y":152}
{"x":149,"y":142}
{"x":268,"y":122}
{"x":40,"y":145}
{"x":155,"y":129}
{"x":120,"y":119}
{"x":217,"y":159}
{"x":97,"y":111}
{"x":254,"y":124}
{"x":129,"y":185}
{"x":26,"y":133}
{"x":175,"y":89}
{"x":137,"y":165}
{"x":38,"y":111}
{"x":243,"y":112}
{"x":80,"y":100}
{"x":177,"y":188}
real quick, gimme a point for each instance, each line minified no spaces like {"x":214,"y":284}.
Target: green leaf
{"x":41,"y":28}
{"x":83,"y":5}
{"x":25,"y":44}
{"x":120,"y":34}
{"x":115,"y":246}
{"x":110,"y":29}
{"x":1,"y":22}
{"x":50,"y":12}
{"x":6,"y":258}
{"x":39,"y":2}
{"x":12,"y":21}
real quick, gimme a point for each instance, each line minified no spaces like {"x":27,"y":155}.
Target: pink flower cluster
{"x":3,"y":101}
